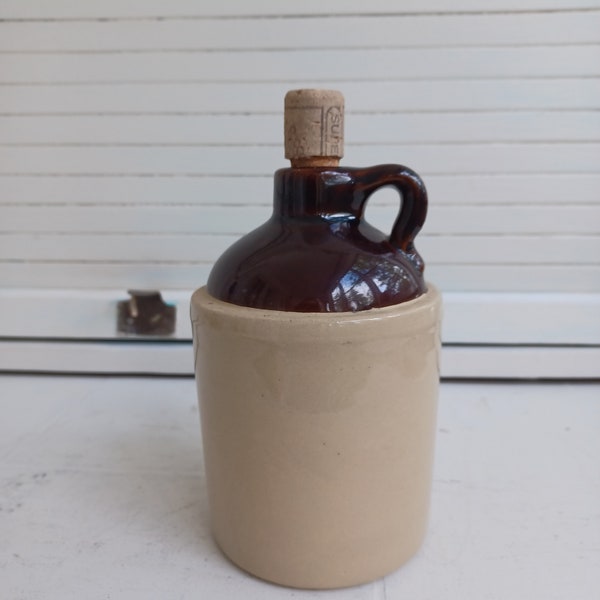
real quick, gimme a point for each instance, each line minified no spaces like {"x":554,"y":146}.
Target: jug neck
{"x":325,"y":192}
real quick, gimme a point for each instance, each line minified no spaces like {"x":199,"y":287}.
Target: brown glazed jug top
{"x":317,"y":253}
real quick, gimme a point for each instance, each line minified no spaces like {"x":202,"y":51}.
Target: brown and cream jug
{"x":316,"y":346}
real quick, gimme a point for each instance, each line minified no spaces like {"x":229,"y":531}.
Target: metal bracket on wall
{"x":145,"y":313}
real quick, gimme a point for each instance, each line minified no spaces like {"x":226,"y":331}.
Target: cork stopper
{"x":314,"y":128}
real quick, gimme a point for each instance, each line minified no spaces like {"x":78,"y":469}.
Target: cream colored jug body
{"x":318,"y":433}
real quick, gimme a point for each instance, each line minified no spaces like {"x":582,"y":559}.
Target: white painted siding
{"x":138,"y":140}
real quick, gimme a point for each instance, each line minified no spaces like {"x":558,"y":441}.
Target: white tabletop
{"x":102,"y":496}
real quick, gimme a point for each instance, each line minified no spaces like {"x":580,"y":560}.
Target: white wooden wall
{"x":138,"y":140}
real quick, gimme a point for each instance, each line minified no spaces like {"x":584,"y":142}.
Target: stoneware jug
{"x":316,"y":345}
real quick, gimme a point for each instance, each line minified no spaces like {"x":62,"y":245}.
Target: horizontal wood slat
{"x":439,"y":249}
{"x":296,"y":66}
{"x":367,"y":32}
{"x":448,"y":220}
{"x":454,"y":278}
{"x":481,"y":189}
{"x":135,"y":9}
{"x":382,"y":129}
{"x":214,"y":160}
{"x":263,"y":97}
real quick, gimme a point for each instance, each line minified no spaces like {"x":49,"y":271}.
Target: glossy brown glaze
{"x":318,"y":254}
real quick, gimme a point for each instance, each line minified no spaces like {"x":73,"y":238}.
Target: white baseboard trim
{"x":469,"y":318}
{"x":176,"y":358}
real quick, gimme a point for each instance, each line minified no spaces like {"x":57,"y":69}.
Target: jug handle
{"x":413,"y":209}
